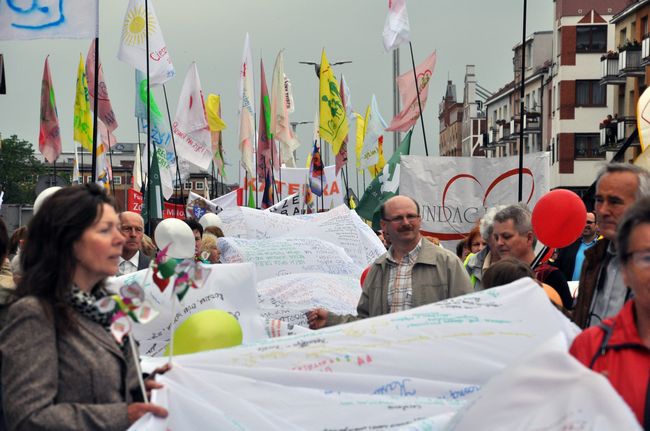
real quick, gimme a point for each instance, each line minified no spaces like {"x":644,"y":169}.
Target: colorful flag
{"x":193,"y":141}
{"x":279,"y":113}
{"x":381,"y":161}
{"x":360,"y":122}
{"x":317,"y":178}
{"x":385,"y":185}
{"x":104,"y":108}
{"x":342,"y":156}
{"x":152,"y":207}
{"x":3,"y":83}
{"x":69,"y":19}
{"x":133,"y":49}
{"x":396,"y":27}
{"x":161,"y":137}
{"x":246,"y":109}
{"x":266,"y":153}
{"x":268,"y":199}
{"x":409,"y":95}
{"x":49,"y":138}
{"x":83,"y":119}
{"x":333,"y":123}
{"x":307,"y":198}
{"x":251,"y":196}
{"x":374,"y":129}
{"x":216,"y":125}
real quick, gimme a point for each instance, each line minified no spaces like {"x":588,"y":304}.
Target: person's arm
{"x":30,"y":378}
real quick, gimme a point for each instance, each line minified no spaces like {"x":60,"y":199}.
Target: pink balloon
{"x":559,"y":218}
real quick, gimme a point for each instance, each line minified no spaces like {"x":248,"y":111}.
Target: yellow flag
{"x":643,"y":159}
{"x":361,"y":133}
{"x":333,"y":124}
{"x":215,"y":122}
{"x":83,"y":120}
{"x":376,"y":169}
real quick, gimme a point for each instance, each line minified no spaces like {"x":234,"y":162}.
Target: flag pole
{"x":521,"y":109}
{"x":110,"y":160}
{"x":96,"y":101}
{"x":178,"y":164}
{"x":417,"y":89}
{"x":147,"y":200}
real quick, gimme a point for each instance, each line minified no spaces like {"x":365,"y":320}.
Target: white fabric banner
{"x":369,"y":374}
{"x":290,"y":206}
{"x":48,"y":19}
{"x":226,"y":201}
{"x":454,"y":192}
{"x":230,"y":288}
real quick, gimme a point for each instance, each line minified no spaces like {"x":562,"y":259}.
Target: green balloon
{"x":206,"y":330}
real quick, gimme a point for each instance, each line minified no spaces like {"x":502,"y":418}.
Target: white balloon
{"x":178,"y":235}
{"x":42,"y":196}
{"x":210,"y":219}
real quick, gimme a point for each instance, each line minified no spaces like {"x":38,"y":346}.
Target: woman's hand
{"x":135,"y":411}
{"x":150,"y":383}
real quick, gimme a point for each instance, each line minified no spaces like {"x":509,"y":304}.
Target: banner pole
{"x":417,"y":89}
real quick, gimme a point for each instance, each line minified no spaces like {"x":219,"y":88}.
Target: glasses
{"x":591,"y":222}
{"x":641,"y":258}
{"x":397,"y":219}
{"x":128,"y":229}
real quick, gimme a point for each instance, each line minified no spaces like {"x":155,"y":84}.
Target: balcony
{"x":532,"y":120}
{"x":624,"y":128}
{"x":609,"y":70}
{"x":645,"y":50}
{"x":629,"y":61}
{"x":503,"y":135}
{"x":608,"y":132}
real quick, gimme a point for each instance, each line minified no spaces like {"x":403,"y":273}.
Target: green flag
{"x":251,"y":197}
{"x":384,"y":186}
{"x":152,"y":207}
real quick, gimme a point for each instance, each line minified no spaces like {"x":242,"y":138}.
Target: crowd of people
{"x":60,"y":365}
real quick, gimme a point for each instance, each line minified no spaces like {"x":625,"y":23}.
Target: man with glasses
{"x":602,"y":291}
{"x":413,"y":272}
{"x":570,"y":258}
{"x":132,"y":259}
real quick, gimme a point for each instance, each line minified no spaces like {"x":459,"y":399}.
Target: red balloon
{"x":559,"y":218}
{"x":364,"y":274}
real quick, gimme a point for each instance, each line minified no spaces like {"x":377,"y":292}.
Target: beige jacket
{"x":79,"y":380}
{"x":437,"y":274}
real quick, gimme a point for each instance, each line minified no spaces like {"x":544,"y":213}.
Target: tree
{"x":19,"y":171}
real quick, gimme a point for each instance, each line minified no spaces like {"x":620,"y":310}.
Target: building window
{"x":199,"y":186}
{"x":591,"y":38}
{"x":587,"y":146}
{"x":644,"y":26}
{"x":117,"y":180}
{"x":590,"y":93}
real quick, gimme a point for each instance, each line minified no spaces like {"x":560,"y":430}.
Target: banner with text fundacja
{"x":454,"y":192}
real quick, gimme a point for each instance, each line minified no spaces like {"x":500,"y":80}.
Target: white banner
{"x":380,"y":373}
{"x":230,"y":288}
{"x":454,"y":192}
{"x":290,"y":206}
{"x":293,"y":180}
{"x":48,"y":19}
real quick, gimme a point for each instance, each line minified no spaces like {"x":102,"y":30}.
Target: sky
{"x":211,"y":32}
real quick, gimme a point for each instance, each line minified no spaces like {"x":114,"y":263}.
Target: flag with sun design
{"x":133,"y":49}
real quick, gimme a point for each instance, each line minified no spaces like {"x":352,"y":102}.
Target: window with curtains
{"x":199,"y":186}
{"x":587,"y":146}
{"x":590,"y":93}
{"x":591,"y":38}
{"x":117,"y":180}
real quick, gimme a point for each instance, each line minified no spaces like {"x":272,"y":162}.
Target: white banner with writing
{"x":454,"y":192}
{"x":381,"y":373}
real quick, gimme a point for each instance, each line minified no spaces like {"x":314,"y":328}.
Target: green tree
{"x":19,"y":171}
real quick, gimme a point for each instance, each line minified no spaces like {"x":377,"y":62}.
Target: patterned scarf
{"x":86,"y":304}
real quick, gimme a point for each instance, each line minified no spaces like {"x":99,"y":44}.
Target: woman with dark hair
{"x":60,"y":366}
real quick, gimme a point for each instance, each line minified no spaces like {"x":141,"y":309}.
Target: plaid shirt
{"x":399,"y":279}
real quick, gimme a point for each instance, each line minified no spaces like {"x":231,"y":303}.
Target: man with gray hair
{"x":132,"y":258}
{"x":602,"y":291}
{"x":477,"y":263}
{"x":514,"y":237}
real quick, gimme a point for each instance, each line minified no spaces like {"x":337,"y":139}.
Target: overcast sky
{"x":211,"y":32}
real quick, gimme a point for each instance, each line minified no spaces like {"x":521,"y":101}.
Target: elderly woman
{"x":61,"y":368}
{"x":619,"y":347}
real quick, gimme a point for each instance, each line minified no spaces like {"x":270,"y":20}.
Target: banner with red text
{"x":134,"y":203}
{"x":454,"y":192}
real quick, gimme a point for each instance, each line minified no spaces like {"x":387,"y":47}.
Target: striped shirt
{"x":399,"y":279}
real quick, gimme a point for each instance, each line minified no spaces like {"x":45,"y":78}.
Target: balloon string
{"x":171,"y":339}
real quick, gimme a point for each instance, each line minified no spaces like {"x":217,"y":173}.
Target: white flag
{"x":246,"y":109}
{"x":76,"y":176}
{"x":193,"y":141}
{"x":48,"y":19}
{"x":137,"y":169}
{"x":396,"y":27}
{"x":133,"y":49}
{"x":375,"y":126}
{"x":280,"y":126}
